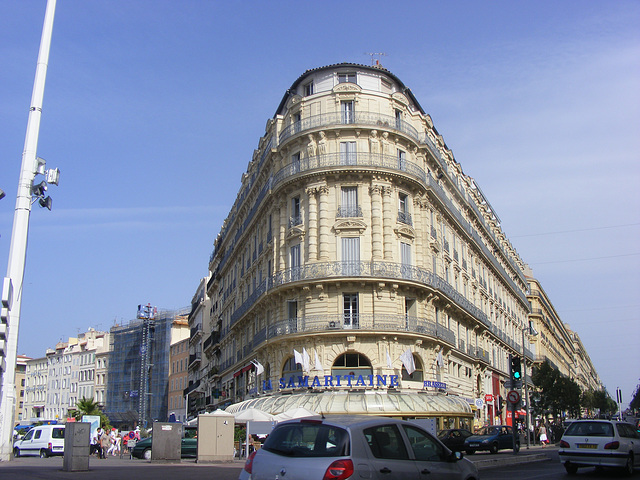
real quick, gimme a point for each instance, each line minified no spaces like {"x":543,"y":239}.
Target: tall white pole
{"x":18,"y":248}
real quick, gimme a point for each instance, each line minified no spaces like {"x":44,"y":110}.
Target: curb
{"x":510,"y":460}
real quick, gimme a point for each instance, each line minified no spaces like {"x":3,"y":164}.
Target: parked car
{"x":43,"y":440}
{"x":188,"y":447}
{"x":454,"y":438}
{"x":492,"y":438}
{"x":342,"y":447}
{"x":600,"y":443}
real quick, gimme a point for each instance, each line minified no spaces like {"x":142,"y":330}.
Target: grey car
{"x":343,"y":447}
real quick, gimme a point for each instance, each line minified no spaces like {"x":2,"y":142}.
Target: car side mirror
{"x":455,"y":456}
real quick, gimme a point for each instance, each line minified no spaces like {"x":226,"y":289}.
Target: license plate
{"x":587,"y":445}
{"x":474,"y":444}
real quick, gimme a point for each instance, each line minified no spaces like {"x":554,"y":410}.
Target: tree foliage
{"x":554,"y":392}
{"x":635,"y":401}
{"x":88,"y":406}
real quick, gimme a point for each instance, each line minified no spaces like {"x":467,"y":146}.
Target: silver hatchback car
{"x":600,"y":443}
{"x":343,"y":447}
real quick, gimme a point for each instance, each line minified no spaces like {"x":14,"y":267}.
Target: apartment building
{"x":360,"y":270}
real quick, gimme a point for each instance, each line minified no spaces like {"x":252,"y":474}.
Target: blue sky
{"x":152,"y":110}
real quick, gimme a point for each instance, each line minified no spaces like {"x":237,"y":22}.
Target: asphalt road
{"x":532,"y":464}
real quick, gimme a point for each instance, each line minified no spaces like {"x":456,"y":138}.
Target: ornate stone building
{"x":556,"y":342}
{"x":359,"y":269}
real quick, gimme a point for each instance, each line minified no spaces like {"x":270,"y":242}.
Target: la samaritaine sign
{"x":328,"y":381}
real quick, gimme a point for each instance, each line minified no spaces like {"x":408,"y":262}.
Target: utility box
{"x":77,"y":439}
{"x":215,"y":438}
{"x":167,"y":442}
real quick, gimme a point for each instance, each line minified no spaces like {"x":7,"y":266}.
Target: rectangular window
{"x":405,"y":259}
{"x":402,"y":160}
{"x":348,"y":153}
{"x":350,"y":310}
{"x":399,"y":119}
{"x":349,"y":203}
{"x":351,"y":256}
{"x":308,"y":89}
{"x":410,"y":312}
{"x":295,"y":162}
{"x":403,"y":209}
{"x":346,"y":78}
{"x":296,"y":218}
{"x":346,"y":108}
{"x":294,"y":259}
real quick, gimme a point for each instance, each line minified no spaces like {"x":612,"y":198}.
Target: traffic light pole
{"x":526,"y":391}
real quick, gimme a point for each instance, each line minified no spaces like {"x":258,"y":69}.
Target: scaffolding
{"x":137,"y":384}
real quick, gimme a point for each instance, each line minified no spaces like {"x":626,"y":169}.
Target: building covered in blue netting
{"x":139,"y":367}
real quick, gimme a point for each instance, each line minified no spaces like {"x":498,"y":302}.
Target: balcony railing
{"x":349,"y":212}
{"x":194,"y":359}
{"x":323,"y":323}
{"x":404,"y":217}
{"x":293,"y":221}
{"x":374,"y":270}
{"x":338,"y":118}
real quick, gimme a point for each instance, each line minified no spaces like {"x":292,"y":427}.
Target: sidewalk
{"x":535,"y":453}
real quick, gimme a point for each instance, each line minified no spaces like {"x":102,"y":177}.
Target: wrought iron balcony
{"x":378,"y":323}
{"x":349,"y":212}
{"x":404,"y":217}
{"x":339,"y":118}
{"x":293,"y":221}
{"x":375,"y":270}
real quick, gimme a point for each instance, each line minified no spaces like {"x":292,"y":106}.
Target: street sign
{"x":513,"y":397}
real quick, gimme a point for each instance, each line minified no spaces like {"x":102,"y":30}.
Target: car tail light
{"x":339,"y":470}
{"x":249,"y":463}
{"x":564,"y":444}
{"x":612,"y":445}
{"x":51,"y":447}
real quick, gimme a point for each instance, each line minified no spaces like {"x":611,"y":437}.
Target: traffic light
{"x":516,"y":368}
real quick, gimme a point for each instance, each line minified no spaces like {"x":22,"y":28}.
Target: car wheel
{"x":16,"y":452}
{"x":147,"y":454}
{"x":493,"y":448}
{"x":570,"y":468}
{"x":628,"y":467}
{"x":43,"y":453}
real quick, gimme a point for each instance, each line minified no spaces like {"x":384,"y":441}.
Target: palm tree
{"x":86,"y":406}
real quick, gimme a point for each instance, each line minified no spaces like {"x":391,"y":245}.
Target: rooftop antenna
{"x":374,"y":54}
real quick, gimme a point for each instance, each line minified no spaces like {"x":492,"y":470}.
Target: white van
{"x":43,"y":440}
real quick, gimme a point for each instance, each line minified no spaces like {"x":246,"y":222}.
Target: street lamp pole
{"x":524,"y":378}
{"x":12,"y":284}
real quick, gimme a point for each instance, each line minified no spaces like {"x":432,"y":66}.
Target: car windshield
{"x":592,"y":429}
{"x":308,"y":440}
{"x":491,"y":430}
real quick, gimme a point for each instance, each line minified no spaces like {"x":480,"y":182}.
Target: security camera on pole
{"x":28,"y":192}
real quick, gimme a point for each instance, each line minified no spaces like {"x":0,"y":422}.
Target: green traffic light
{"x":516,"y":375}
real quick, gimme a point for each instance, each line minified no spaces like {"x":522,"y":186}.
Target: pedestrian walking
{"x":105,"y":443}
{"x":543,"y":435}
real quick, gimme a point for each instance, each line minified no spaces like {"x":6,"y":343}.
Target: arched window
{"x":351,"y":364}
{"x":417,"y":375}
{"x":291,"y":369}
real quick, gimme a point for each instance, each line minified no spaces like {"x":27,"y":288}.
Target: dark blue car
{"x":492,"y":438}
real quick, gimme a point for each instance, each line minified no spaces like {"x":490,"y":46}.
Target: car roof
{"x":344,"y":420}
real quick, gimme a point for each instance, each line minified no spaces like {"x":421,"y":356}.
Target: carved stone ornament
{"x":295,"y":232}
{"x":293,"y":100}
{"x":405,"y":231}
{"x":350,"y":224}
{"x":347,"y":87}
{"x":400,"y":98}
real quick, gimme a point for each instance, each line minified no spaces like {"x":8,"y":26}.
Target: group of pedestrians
{"x":106,"y":443}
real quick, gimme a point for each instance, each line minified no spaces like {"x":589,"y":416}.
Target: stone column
{"x":312,"y":239}
{"x":324,"y":222}
{"x":388,"y":222}
{"x":376,"y":221}
{"x":281,"y":236}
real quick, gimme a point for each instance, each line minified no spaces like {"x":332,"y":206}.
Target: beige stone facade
{"x":354,"y":239}
{"x":557,"y":343}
